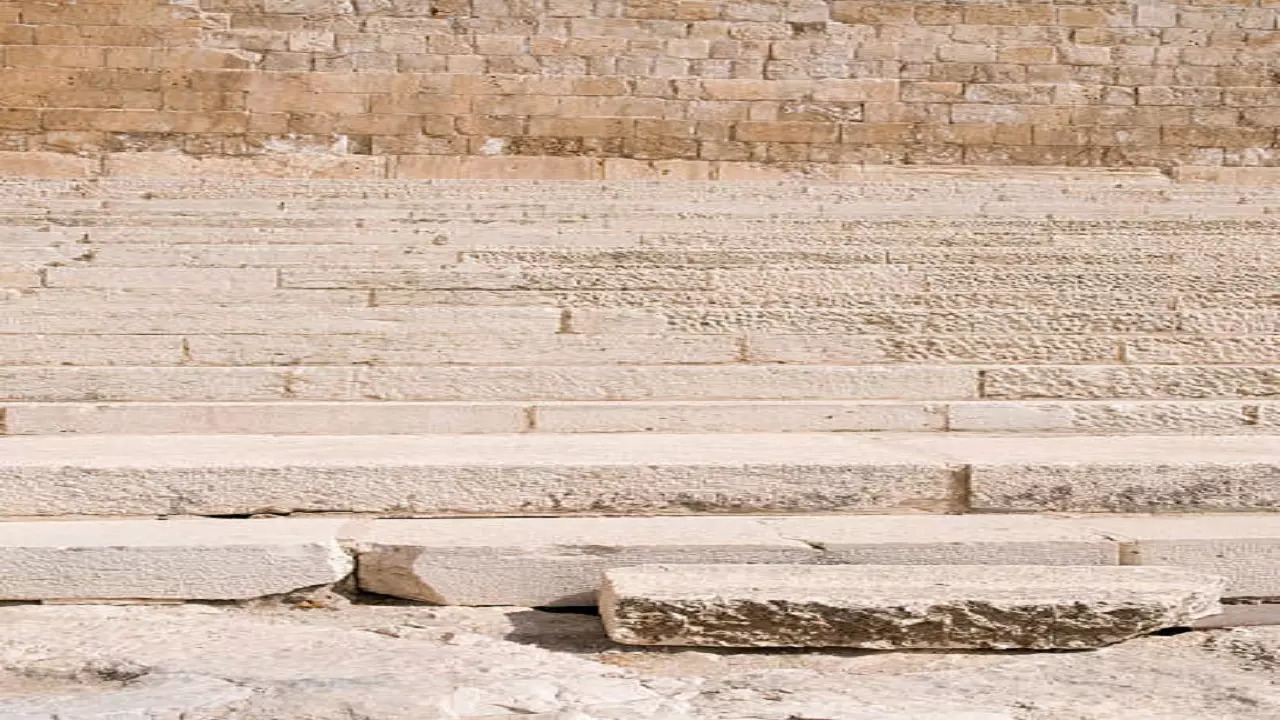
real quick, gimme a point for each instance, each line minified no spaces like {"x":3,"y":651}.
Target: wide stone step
{"x":708,"y":416}
{"x":534,"y":562}
{"x":894,"y":607}
{"x":552,"y":474}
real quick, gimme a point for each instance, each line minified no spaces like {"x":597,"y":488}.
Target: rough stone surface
{"x":237,"y":664}
{"x":1243,"y":548}
{"x":885,"y":606}
{"x":175,"y":559}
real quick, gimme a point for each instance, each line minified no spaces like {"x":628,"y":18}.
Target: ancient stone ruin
{"x":938,"y":324}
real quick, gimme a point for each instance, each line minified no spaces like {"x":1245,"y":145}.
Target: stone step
{"x":168,"y":560}
{"x":403,"y":348}
{"x":894,"y":607}
{"x":559,"y":561}
{"x":551,"y":474}
{"x":536,"y":382}
{"x":487,"y":383}
{"x":535,"y":562}
{"x":196,"y":254}
{"x":710,"y":416}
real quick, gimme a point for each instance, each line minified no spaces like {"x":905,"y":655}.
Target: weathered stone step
{"x":168,"y":560}
{"x":534,"y":474}
{"x":408,"y":348}
{"x":895,"y":607}
{"x":480,"y":383}
{"x":32,"y":317}
{"x":560,"y":561}
{"x":709,"y":416}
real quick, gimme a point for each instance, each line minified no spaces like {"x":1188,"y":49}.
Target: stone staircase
{"x":955,"y":351}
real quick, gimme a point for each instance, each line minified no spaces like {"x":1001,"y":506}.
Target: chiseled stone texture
{"x":1243,"y":548}
{"x":897,"y":607}
{"x":175,"y":559}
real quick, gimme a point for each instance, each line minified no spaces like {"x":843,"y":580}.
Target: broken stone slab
{"x":168,"y":559}
{"x":900,"y":607}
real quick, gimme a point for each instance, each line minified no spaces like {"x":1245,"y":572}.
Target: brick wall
{"x":930,"y":82}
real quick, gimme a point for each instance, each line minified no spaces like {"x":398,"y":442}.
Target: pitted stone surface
{"x":886,"y":606}
{"x":495,"y":663}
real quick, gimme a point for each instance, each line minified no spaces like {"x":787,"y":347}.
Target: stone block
{"x":168,"y":559}
{"x":900,"y":607}
{"x":533,"y":562}
{"x":1245,"y":549}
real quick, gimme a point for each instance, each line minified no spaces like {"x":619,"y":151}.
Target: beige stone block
{"x":47,"y":165}
{"x":739,"y":416}
{"x":535,"y":562}
{"x":732,"y":382}
{"x":891,"y":607}
{"x":250,"y":418}
{"x":1131,"y":382}
{"x":166,"y":165}
{"x":194,"y":278}
{"x":525,"y":474}
{"x":476,"y":349}
{"x":168,"y":559}
{"x":1198,"y":416}
{"x":950,"y":540}
{"x":530,"y":168}
{"x":1245,"y":549}
{"x":91,"y":350}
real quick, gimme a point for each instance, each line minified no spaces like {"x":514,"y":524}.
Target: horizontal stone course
{"x":636,"y":473}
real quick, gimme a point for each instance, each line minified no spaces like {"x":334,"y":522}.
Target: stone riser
{"x":407,"y":418}
{"x":540,"y":562}
{"x":567,"y":474}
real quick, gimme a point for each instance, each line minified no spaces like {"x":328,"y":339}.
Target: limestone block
{"x":900,"y":607}
{"x":506,"y":349}
{"x":740,"y":416}
{"x":281,"y":418}
{"x":525,"y":474}
{"x":1243,"y":548}
{"x":1102,"y":416}
{"x":91,"y":350}
{"x":173,"y":559}
{"x":949,"y":540}
{"x":671,"y":382}
{"x":927,"y":348}
{"x":288,"y":319}
{"x":206,"y":278}
{"x":534,"y":562}
{"x":1131,"y":382}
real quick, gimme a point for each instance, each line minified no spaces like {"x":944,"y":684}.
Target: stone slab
{"x":174,"y":559}
{"x":280,"y":418}
{"x":465,"y":474}
{"x":1243,"y":548}
{"x":534,"y":562}
{"x":897,"y":607}
{"x":559,"y":561}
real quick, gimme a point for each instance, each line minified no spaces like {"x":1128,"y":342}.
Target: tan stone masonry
{"x":846,"y":82}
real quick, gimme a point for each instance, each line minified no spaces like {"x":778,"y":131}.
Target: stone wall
{"x":1088,"y":83}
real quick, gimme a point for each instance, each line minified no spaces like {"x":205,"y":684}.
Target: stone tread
{"x":566,"y":474}
{"x":559,"y":561}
